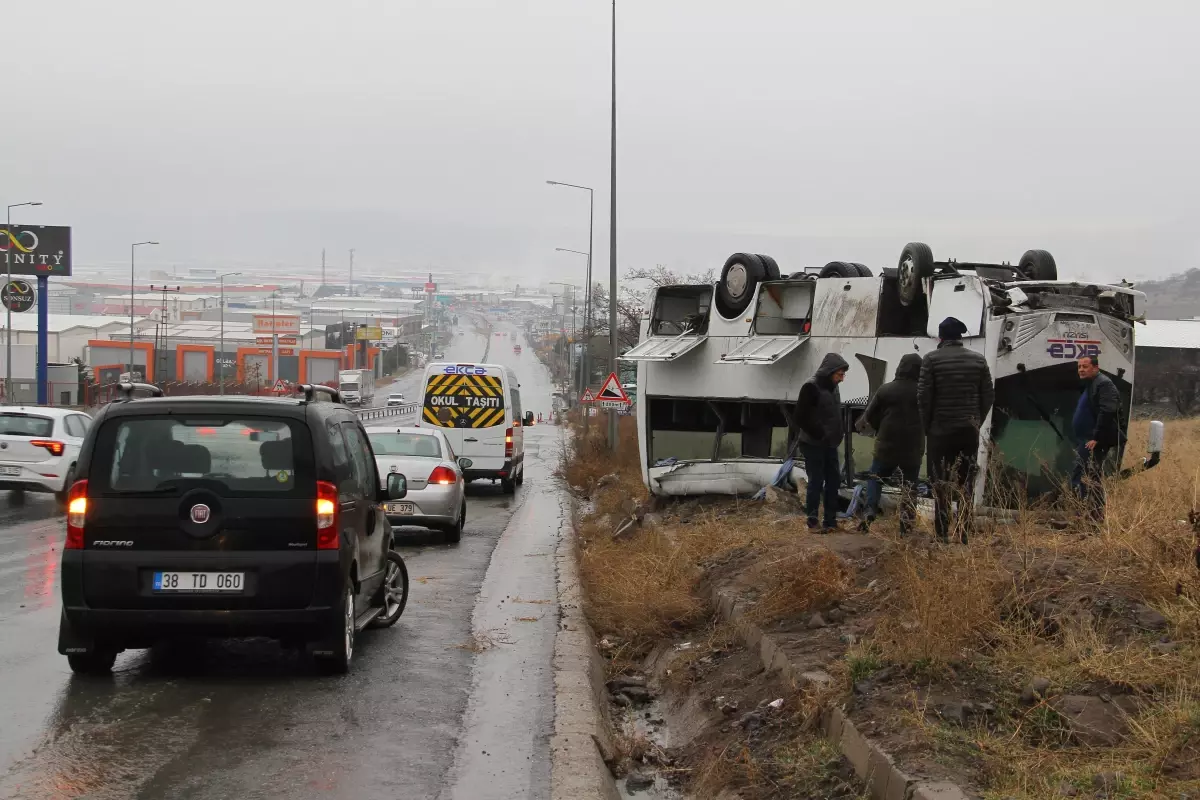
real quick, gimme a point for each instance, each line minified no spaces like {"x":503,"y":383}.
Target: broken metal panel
{"x":663,"y":349}
{"x":960,"y":297}
{"x":846,"y":307}
{"x":762,"y":350}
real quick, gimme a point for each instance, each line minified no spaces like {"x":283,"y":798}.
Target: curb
{"x":875,"y":768}
{"x":582,"y":741}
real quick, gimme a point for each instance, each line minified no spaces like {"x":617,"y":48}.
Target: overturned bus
{"x":720,"y":365}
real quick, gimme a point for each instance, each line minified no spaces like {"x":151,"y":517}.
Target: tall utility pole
{"x":585,"y":370}
{"x":163,"y":319}
{"x":322,"y":266}
{"x":221,"y":349}
{"x":132,"y":254}
{"x":612,"y":238}
{"x":351,"y":288}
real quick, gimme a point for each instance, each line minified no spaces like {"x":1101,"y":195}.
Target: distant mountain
{"x":1176,"y":297}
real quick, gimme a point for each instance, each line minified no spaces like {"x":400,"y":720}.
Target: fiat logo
{"x":200,"y":513}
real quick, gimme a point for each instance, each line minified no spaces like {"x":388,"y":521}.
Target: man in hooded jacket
{"x":895,"y":416}
{"x":819,"y":415}
{"x":955,"y":392}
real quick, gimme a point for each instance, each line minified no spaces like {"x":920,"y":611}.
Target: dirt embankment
{"x":1045,"y":659}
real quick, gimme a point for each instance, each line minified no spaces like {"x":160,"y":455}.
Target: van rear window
{"x":25,"y":425}
{"x":464,"y":401}
{"x":162,"y":454}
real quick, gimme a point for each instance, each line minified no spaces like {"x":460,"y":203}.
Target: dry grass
{"x":797,"y":580}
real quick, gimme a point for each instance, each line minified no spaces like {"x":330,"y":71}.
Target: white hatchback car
{"x":39,"y":447}
{"x":437,"y":493}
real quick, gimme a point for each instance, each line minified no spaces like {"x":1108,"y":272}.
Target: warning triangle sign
{"x":612,"y":391}
{"x":280,"y":386}
{"x":588,"y":397}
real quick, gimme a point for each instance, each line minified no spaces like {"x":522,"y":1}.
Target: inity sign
{"x":36,"y":249}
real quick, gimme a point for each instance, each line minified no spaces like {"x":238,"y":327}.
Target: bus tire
{"x":1038,"y":265}
{"x":863,"y":270}
{"x":916,"y":264}
{"x":839,"y":269}
{"x":739,"y":278}
{"x":771,"y":266}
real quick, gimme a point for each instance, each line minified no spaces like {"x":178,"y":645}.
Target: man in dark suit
{"x":1097,"y":428}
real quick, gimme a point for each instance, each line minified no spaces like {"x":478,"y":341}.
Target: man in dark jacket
{"x":955,"y":393}
{"x":895,"y":417}
{"x":819,"y":415}
{"x":1096,"y":426}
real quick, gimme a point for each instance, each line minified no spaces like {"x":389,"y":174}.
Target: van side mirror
{"x":465,"y":463}
{"x":397,"y":486}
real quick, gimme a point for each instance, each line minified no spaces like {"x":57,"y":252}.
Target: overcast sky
{"x":421,"y":133}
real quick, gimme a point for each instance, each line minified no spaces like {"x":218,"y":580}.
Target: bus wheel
{"x":771,"y":266}
{"x":839,"y":269}
{"x":863,"y":270}
{"x":916,"y":264}
{"x":1038,"y":265}
{"x":739,"y":278}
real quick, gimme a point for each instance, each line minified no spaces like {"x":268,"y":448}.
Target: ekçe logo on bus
{"x":1072,"y":350}
{"x":464,"y":369}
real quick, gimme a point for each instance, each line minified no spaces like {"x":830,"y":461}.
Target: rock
{"x":776,"y":703}
{"x":952,"y":711}
{"x":1065,"y":789}
{"x":1094,"y":722}
{"x":863,"y":687}
{"x":1162,"y":648}
{"x":751,"y":720}
{"x":817,"y":621}
{"x":1150,"y":619}
{"x":835,"y":616}
{"x":638,"y":782}
{"x":1037,"y":689}
{"x":726,"y":706}
{"x":608,"y":480}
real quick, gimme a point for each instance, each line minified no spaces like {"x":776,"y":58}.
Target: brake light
{"x":327,"y":516}
{"x":77,"y":504}
{"x":508,"y":448}
{"x":55,"y":448}
{"x":444,"y":476}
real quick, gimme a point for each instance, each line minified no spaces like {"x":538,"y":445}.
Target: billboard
{"x":368,"y":334}
{"x":276,"y":323}
{"x":36,"y":249}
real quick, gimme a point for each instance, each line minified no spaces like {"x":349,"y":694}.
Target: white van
{"x":478,"y":408}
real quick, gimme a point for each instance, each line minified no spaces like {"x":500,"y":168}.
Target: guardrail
{"x":387,"y":411}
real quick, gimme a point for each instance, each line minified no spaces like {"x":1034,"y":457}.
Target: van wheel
{"x":521,"y":477}
{"x":916,"y":264}
{"x":94,"y":662}
{"x":338,"y":663}
{"x":508,"y":486}
{"x":393,"y":594}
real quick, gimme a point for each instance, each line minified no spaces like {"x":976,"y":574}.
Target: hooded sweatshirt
{"x":896,"y":417}
{"x":819,"y":406}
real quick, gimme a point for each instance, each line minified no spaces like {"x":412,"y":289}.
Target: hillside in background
{"x":1176,"y":297}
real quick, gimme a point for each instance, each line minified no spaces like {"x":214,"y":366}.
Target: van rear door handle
{"x":472,"y":439}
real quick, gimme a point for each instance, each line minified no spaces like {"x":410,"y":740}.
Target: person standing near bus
{"x":819,"y":415}
{"x":1097,"y":431}
{"x":895,"y":417}
{"x":955,"y":394}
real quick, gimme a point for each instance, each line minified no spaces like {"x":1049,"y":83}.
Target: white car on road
{"x":39,"y":447}
{"x":395,"y":399}
{"x":437,"y":494}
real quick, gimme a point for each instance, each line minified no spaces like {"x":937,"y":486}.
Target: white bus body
{"x":715,"y":391}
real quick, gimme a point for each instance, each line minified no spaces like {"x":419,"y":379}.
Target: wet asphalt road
{"x":455,"y":701}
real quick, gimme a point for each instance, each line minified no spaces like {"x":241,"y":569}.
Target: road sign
{"x":430,"y":288}
{"x":19,"y":296}
{"x":588,"y":397}
{"x":280,"y":386}
{"x":612,"y":394}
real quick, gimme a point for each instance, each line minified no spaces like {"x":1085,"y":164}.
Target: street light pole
{"x":132,"y":255}
{"x":221,"y":353}
{"x":8,"y":312}
{"x":612,"y":237}
{"x":587,"y":289}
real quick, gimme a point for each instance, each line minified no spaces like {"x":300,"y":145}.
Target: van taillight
{"x":77,"y":503}
{"x":443,"y":476}
{"x":55,"y":448}
{"x":327,"y":516}
{"x":508,"y":443}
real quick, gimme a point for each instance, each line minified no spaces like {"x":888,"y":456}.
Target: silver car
{"x":437,"y":496}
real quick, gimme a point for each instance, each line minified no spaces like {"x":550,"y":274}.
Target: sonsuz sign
{"x":19,"y":296}
{"x":1073,"y":349}
{"x":36,"y":249}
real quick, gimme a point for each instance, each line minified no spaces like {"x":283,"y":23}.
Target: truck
{"x":357,"y":386}
{"x":719,"y":365}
